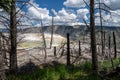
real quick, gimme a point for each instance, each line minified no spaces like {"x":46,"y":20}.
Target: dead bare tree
{"x":68,"y":50}
{"x":55,"y":51}
{"x":13,"y":38}
{"x":79,"y":48}
{"x":101,"y":23}
{"x":93,"y":39}
{"x":52,"y":29}
{"x":44,"y":41}
{"x":12,"y":27}
{"x":114,"y":44}
{"x":110,"y":57}
{"x":104,"y":40}
{"x":0,"y":43}
{"x":101,"y":28}
{"x":41,"y":31}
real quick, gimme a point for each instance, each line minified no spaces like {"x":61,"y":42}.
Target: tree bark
{"x":13,"y":38}
{"x":68,"y":50}
{"x":55,"y":51}
{"x":44,"y":40}
{"x":0,"y":44}
{"x":79,"y":48}
{"x":109,"y":42}
{"x":110,"y":52}
{"x":93,"y":39}
{"x":114,"y":41}
{"x":52,"y":29}
{"x":102,"y":43}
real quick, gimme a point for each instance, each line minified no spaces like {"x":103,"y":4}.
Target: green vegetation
{"x":62,"y":72}
{"x":5,"y":4}
{"x":58,"y":72}
{"x":107,"y":65}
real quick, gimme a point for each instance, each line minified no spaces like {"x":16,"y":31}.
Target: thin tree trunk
{"x":93,"y":39}
{"x":102,"y":43}
{"x":114,"y":41}
{"x":44,"y":41}
{"x":68,"y":50}
{"x":55,"y":51}
{"x":79,"y":48}
{"x":109,"y":42}
{"x":52,"y":29}
{"x":4,"y":52}
{"x":110,"y":52}
{"x":1,"y":43}
{"x":13,"y":38}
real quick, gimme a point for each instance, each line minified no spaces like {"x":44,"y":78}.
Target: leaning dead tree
{"x":41,"y":30}
{"x":44,"y":41}
{"x":93,"y":39}
{"x":52,"y":29}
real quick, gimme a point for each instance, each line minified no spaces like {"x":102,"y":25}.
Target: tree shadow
{"x":29,"y":67}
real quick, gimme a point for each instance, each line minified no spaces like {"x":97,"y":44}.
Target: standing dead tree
{"x":104,"y":41}
{"x":110,"y":57}
{"x":101,"y":28}
{"x":55,"y":51}
{"x":101,"y":23}
{"x":68,"y":50}
{"x":114,"y":44}
{"x":79,"y":48}
{"x":41,"y":31}
{"x":12,"y":27}
{"x":13,"y":38}
{"x":52,"y":29}
{"x":44,"y":41}
{"x":93,"y":39}
{"x":0,"y":43}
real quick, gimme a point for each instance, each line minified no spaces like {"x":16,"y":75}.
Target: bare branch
{"x":22,"y":6}
{"x":105,"y":5}
{"x":86,"y":24}
{"x":86,"y":3}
